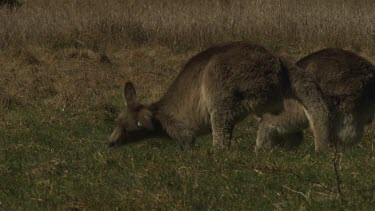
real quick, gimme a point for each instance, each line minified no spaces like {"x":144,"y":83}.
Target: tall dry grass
{"x":55,"y":52}
{"x":181,"y":24}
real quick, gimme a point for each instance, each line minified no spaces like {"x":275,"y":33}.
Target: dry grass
{"x":182,"y":25}
{"x":58,"y":51}
{"x":82,"y":79}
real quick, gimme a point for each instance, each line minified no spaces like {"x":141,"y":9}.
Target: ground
{"x":57,"y":110}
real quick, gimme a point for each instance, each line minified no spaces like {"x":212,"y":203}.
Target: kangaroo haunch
{"x":217,"y":88}
{"x":348,"y":84}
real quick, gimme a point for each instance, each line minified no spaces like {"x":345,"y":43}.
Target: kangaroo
{"x":348,"y":84}
{"x":217,"y":88}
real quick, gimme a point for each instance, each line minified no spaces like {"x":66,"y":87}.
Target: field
{"x":63,"y":65}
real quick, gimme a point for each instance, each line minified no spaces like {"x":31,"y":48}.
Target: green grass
{"x":57,"y":158}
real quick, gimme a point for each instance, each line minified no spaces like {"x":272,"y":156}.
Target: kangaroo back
{"x":344,"y":77}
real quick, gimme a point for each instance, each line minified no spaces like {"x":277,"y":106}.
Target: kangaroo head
{"x":135,"y":122}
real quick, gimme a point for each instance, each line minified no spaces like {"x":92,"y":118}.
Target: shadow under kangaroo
{"x":348,"y":83}
{"x":217,"y":88}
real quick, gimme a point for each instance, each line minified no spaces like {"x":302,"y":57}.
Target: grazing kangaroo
{"x":217,"y":88}
{"x":348,"y":83}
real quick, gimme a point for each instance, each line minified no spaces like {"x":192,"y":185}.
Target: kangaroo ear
{"x":129,"y":94}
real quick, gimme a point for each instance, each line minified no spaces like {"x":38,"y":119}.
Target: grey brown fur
{"x":217,"y":88}
{"x":348,"y":83}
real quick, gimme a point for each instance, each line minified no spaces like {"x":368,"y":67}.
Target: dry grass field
{"x":181,"y":25}
{"x":62,"y":67}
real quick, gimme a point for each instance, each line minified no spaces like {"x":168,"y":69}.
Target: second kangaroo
{"x":347,"y":81}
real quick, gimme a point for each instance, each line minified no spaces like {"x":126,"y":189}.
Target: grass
{"x":58,"y":159}
{"x":53,"y":150}
{"x":62,"y":70}
{"x":185,"y":25}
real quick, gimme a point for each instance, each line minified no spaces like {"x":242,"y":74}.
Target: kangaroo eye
{"x":139,"y":124}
